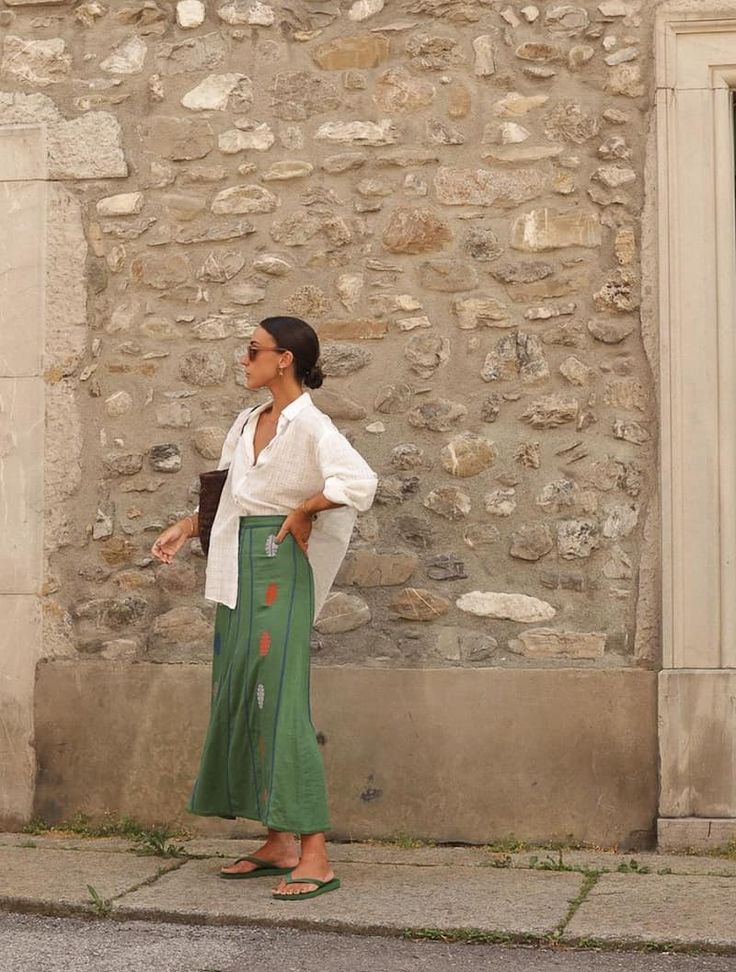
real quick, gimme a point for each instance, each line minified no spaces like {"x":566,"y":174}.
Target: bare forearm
{"x":191,"y":524}
{"x":318,"y":504}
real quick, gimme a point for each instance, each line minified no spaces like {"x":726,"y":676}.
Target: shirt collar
{"x":290,"y":412}
{"x":293,"y":408}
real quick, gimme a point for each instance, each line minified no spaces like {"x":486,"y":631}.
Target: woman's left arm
{"x":348,"y":481}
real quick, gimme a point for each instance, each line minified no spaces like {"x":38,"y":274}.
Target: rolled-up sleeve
{"x":348,"y":479}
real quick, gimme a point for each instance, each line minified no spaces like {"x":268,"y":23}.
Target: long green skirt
{"x":260,"y":758}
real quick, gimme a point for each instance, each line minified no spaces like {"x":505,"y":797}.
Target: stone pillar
{"x":43,"y":341}
{"x":696,"y":71}
{"x":23,"y":192}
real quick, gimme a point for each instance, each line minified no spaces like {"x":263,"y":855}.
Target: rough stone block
{"x":89,"y":147}
{"x":356,"y":51}
{"x":543,"y":229}
{"x":35,"y":62}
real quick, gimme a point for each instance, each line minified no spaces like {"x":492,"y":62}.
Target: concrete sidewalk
{"x":571,"y":897}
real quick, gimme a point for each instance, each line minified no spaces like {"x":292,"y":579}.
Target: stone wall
{"x":451,"y":191}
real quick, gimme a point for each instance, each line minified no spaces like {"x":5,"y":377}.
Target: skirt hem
{"x":286,"y":828}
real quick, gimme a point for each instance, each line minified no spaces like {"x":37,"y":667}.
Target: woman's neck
{"x":283,"y":394}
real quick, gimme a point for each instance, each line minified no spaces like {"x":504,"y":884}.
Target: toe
{"x":300,"y":888}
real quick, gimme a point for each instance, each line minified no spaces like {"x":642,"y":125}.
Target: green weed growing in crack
{"x":468,"y":936}
{"x":681,"y":948}
{"x":728,"y":850}
{"x":513,"y":845}
{"x":534,"y":862}
{"x":108,"y":825}
{"x":550,"y":863}
{"x":101,"y":906}
{"x":506,"y":845}
{"x":156,"y":842}
{"x":590,"y":879}
{"x":633,"y":867}
{"x":409,"y":842}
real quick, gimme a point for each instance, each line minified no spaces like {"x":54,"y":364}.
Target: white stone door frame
{"x":695,"y":77}
{"x":23,"y":209}
{"x":43,"y":344}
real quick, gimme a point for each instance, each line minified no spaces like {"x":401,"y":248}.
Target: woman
{"x":282,"y":527}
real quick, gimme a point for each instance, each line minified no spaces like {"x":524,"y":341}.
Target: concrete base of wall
{"x":450,"y":754}
{"x":694,"y":833}
{"x":697,"y":738}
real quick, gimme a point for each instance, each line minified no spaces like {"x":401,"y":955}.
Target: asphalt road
{"x":34,"y":944}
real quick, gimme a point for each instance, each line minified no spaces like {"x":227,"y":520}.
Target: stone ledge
{"x":695,"y":833}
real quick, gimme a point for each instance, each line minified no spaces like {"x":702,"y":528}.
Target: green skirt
{"x":261,"y":759}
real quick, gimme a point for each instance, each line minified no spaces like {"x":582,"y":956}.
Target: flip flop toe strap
{"x":258,"y":861}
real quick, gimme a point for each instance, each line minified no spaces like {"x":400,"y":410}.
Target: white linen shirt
{"x":307,"y":455}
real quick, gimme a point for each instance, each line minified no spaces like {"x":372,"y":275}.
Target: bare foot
{"x":279,"y":852}
{"x":313,"y":865}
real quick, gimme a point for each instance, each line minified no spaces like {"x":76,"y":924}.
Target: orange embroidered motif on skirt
{"x":265,"y":643}
{"x":272,"y":592}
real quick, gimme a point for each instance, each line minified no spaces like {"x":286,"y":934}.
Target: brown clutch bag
{"x":210,"y":490}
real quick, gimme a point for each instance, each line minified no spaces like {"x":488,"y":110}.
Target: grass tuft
{"x":109,"y":825}
{"x":101,"y":906}
{"x":467,"y":936}
{"x":408,"y":841}
{"x":156,"y":842}
{"x":633,"y":867}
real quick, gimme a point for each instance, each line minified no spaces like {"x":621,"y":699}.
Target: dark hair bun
{"x":314,"y":377}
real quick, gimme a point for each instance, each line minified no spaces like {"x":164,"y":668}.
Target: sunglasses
{"x":252,"y":350}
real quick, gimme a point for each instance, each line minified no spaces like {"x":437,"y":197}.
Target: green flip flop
{"x":262,"y":869}
{"x":322,"y":888}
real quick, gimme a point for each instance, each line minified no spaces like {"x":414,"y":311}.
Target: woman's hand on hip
{"x":170,"y":542}
{"x":299,"y":525}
